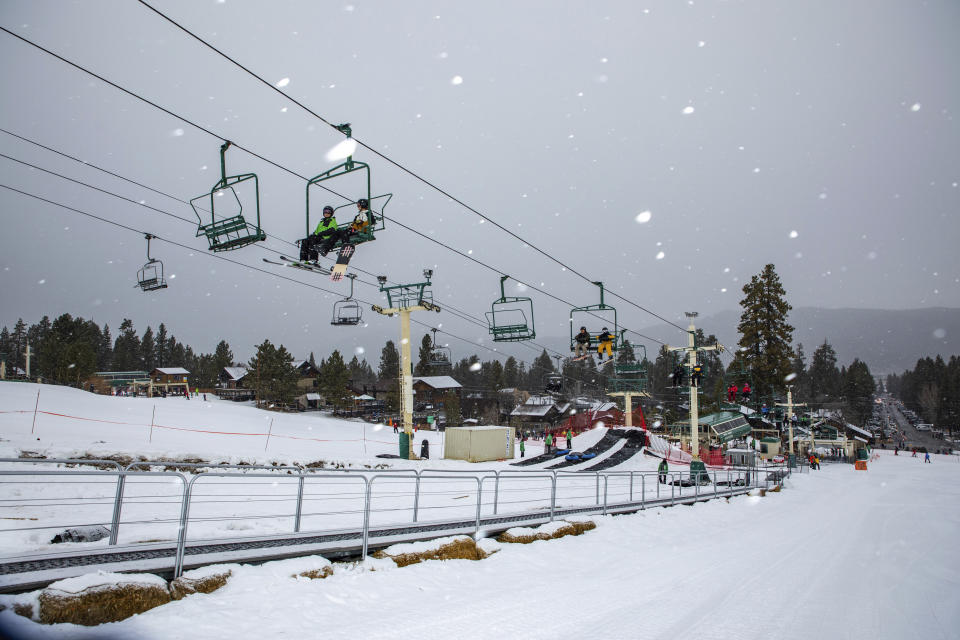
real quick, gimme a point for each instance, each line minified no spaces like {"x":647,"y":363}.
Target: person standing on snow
{"x":569,"y":439}
{"x":926,"y":457}
{"x":662,"y":470}
{"x":549,"y":442}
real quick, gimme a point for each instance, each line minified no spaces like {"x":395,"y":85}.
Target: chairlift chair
{"x":507,"y":319}
{"x":440,"y":356}
{"x":553,"y":383}
{"x":230,"y":231}
{"x":594,"y":317}
{"x":150,"y":277}
{"x":375,"y":222}
{"x":347,"y":312}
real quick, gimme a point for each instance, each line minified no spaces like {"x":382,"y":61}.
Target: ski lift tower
{"x":402,"y":300}
{"x":792,"y":459}
{"x":696,"y":464}
{"x":630,"y":381}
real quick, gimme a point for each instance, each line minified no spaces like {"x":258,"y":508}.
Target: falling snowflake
{"x":643,"y":217}
{"x":688,"y":110}
{"x":282,"y":83}
{"x":660,"y":255}
{"x":790,"y":377}
{"x":794,"y":234}
{"x":475,"y":366}
{"x":342,"y":150}
{"x":176,"y":133}
{"x":915,"y":107}
{"x":456,"y":80}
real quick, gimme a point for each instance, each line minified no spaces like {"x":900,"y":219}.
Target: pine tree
{"x":858,"y":390}
{"x":222,"y":357}
{"x":163,"y":346}
{"x":148,"y":350}
{"x":824,"y":375}
{"x":105,"y":350}
{"x":765,"y":336}
{"x":18,"y":340}
{"x":334,"y":381}
{"x":451,"y":407}
{"x":511,"y":373}
{"x":423,"y":367}
{"x":126,"y":348}
{"x":801,"y":380}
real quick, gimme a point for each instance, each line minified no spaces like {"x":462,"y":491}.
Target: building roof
{"x":236,"y":373}
{"x":438,"y":382}
{"x":858,"y":430}
{"x":172,"y":371}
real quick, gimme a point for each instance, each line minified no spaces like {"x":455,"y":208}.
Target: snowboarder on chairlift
{"x":605,"y":344}
{"x":696,"y":374}
{"x":324,"y":235}
{"x":582,"y":343}
{"x":678,"y":376}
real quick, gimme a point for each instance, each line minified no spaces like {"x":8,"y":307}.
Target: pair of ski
{"x":579,"y":358}
{"x":336,"y":273}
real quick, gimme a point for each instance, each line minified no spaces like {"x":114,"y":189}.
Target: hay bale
{"x":97,"y":598}
{"x":205,"y":582}
{"x":315,"y":574}
{"x":23,"y":609}
{"x":456,"y":548}
{"x":549,"y":531}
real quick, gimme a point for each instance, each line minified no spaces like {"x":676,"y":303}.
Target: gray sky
{"x":820,"y":136}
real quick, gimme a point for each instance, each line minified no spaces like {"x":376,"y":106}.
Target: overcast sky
{"x":670,"y":149}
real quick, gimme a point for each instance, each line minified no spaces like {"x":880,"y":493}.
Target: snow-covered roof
{"x":364,"y":397}
{"x":312,"y":396}
{"x":235,"y":373}
{"x":438,"y":382}
{"x":172,"y":371}
{"x":858,"y":430}
{"x":532,"y":409}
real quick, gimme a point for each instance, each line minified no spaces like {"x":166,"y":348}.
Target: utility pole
{"x":696,"y":465}
{"x":402,"y":300}
{"x":28,"y":352}
{"x":789,"y":405}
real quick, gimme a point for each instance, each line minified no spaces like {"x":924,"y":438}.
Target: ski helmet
{"x":363,"y":203}
{"x":328,"y":209}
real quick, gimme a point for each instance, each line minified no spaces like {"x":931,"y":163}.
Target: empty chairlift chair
{"x":150,"y":277}
{"x":510,"y":318}
{"x":231,"y":230}
{"x":347,"y":312}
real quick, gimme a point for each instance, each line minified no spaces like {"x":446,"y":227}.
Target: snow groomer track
{"x":170,"y":521}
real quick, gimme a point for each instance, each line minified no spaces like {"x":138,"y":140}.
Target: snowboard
{"x":579,"y":358}
{"x":343,"y":259}
{"x":297,"y":264}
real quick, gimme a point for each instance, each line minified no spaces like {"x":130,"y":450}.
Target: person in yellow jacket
{"x":605,"y":344}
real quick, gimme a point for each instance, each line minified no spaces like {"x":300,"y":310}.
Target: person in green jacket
{"x":662,"y":471}
{"x":569,"y":439}
{"x":549,"y":442}
{"x":326,"y":229}
{"x":523,"y":448}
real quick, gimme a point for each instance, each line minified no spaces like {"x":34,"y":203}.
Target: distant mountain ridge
{"x":889,"y":341}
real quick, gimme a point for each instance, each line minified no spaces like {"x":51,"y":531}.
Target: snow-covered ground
{"x":837,"y":553}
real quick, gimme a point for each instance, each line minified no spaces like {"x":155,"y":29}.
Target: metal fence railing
{"x":149,"y":502}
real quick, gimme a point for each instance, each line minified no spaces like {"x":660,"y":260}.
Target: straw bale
{"x":101,"y":603}
{"x":520,"y":535}
{"x":184,"y":585}
{"x":23,"y":609}
{"x":314,"y":574}
{"x":461,"y":548}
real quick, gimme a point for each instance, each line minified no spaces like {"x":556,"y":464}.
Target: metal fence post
{"x":184,"y":517}
{"x":416,"y":498}
{"x":606,"y":486}
{"x":296,"y":521}
{"x":117,"y":502}
{"x":366,"y":514}
{"x":553,"y":495}
{"x":496,"y":491}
